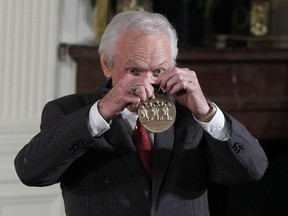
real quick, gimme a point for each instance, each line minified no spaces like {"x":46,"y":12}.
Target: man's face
{"x":145,"y":55}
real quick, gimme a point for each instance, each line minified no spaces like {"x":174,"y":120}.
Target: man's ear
{"x":105,"y":66}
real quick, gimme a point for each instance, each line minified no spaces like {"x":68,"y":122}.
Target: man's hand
{"x":122,"y":96}
{"x":183,"y":83}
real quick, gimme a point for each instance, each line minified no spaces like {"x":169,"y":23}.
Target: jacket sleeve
{"x":62,"y":139}
{"x":240,"y":159}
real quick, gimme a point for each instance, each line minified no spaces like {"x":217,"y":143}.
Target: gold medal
{"x":157,"y":115}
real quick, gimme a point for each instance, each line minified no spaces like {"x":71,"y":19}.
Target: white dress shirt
{"x":218,"y":127}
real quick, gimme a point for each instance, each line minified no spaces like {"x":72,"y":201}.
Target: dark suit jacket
{"x":103,"y":176}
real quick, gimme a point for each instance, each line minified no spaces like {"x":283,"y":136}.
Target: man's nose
{"x":151,"y":77}
{"x":152,"y":80}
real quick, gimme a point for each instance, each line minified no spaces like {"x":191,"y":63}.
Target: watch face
{"x":259,"y":18}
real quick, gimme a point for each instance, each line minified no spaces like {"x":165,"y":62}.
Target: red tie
{"x":144,"y":147}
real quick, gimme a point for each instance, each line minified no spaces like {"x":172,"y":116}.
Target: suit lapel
{"x":162,"y":153}
{"x":119,"y":138}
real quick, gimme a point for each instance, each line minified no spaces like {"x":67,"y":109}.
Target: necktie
{"x":144,"y":147}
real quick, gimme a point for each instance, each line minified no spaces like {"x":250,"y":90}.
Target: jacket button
{"x":237,"y":147}
{"x":75,"y":146}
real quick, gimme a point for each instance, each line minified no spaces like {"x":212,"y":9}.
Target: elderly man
{"x":85,"y":141}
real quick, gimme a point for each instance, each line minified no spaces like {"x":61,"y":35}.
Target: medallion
{"x":158,"y":114}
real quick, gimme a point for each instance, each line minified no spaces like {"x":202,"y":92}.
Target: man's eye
{"x":132,"y":70}
{"x":159,"y":71}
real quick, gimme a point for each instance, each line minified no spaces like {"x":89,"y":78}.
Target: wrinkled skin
{"x":142,"y":60}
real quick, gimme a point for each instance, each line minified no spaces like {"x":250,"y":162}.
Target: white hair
{"x":140,"y":21}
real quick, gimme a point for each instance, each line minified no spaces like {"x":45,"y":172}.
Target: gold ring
{"x":133,"y":89}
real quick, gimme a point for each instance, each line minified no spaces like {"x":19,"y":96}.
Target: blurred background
{"x":239,"y":49}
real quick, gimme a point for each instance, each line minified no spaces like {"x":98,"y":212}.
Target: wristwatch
{"x":211,"y":114}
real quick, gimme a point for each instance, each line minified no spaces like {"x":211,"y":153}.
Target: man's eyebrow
{"x":163,"y":63}
{"x":132,"y":62}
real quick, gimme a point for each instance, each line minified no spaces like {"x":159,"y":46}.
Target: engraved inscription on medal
{"x":157,"y":115}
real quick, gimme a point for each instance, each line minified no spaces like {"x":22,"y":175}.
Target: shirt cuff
{"x":218,"y":127}
{"x":97,"y":124}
